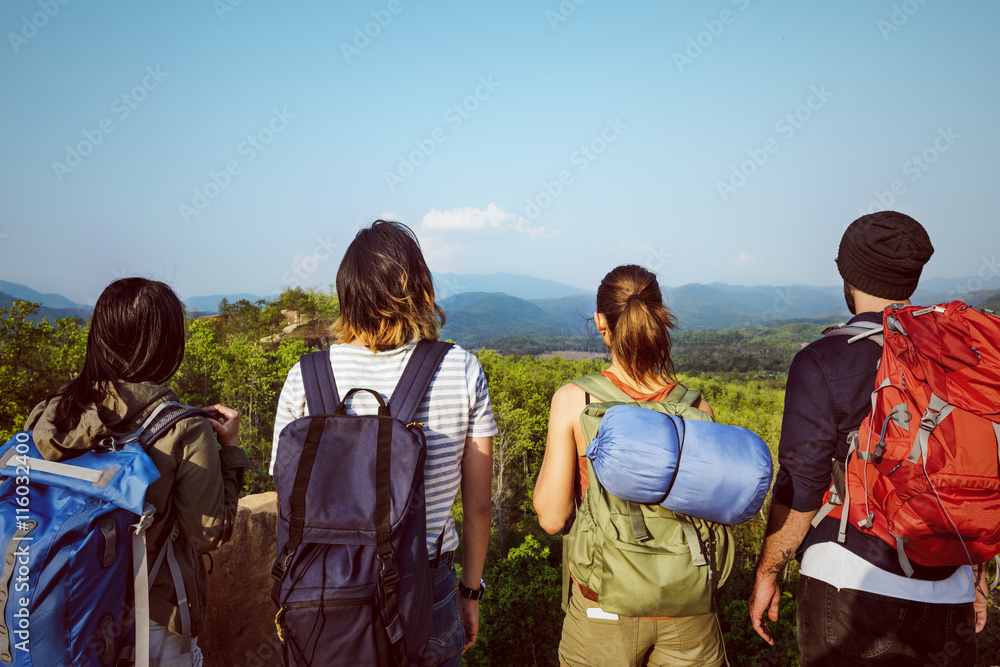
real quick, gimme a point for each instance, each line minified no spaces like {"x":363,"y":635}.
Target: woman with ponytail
{"x":135,"y":345}
{"x":635,"y":326}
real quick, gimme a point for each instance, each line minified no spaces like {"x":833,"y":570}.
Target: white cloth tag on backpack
{"x":597,"y":612}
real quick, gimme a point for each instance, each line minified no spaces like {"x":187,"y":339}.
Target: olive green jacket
{"x":199,"y":486}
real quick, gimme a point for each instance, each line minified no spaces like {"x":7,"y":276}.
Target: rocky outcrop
{"x":240,"y":627}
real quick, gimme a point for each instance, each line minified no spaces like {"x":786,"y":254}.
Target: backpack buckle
{"x":282,"y":564}
{"x":388,"y":571}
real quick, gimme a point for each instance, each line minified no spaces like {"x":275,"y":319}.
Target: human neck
{"x":627,"y":379}
{"x":866,"y":303}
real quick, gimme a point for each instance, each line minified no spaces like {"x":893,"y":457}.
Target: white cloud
{"x":468,"y":218}
{"x":743,"y":259}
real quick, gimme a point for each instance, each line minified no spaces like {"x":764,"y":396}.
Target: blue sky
{"x":229,"y":147}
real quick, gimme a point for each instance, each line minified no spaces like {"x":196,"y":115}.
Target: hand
{"x":982,"y":588}
{"x":228,"y":432}
{"x":765,"y":597}
{"x":469,"y":610}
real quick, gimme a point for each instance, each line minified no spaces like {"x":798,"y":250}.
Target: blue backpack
{"x":73,"y":534}
{"x":352,"y":579}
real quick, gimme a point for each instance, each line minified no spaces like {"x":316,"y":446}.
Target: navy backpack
{"x":352,"y":579}
{"x":74,"y":549}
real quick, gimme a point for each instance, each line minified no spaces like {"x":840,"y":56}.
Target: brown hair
{"x":629,"y":297}
{"x":385,"y":289}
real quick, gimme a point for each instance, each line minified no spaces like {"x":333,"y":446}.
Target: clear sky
{"x":237,"y":146}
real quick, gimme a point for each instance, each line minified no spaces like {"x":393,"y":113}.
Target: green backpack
{"x":643,"y":560}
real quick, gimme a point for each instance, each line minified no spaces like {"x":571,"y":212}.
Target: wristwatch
{"x":472,"y":593}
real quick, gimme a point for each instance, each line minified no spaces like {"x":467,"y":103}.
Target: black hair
{"x":136,"y":335}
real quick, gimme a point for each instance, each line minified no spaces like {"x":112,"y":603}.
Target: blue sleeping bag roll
{"x":697,"y":468}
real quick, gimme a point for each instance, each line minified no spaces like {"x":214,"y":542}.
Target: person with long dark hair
{"x":135,"y":345}
{"x":635,"y":326}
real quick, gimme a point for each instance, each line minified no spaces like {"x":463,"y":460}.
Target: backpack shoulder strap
{"x":416,"y":378}
{"x":683,"y":395}
{"x":858,"y":331}
{"x":601,"y":388}
{"x":317,"y":378}
{"x":161,"y":419}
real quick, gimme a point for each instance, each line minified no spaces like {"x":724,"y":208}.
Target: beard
{"x":849,"y":298}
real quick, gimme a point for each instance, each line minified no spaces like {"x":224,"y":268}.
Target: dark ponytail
{"x":629,"y":298}
{"x":136,"y":335}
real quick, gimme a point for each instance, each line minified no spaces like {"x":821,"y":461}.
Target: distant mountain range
{"x":481,"y":307}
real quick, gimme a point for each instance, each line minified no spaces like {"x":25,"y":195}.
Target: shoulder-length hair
{"x":136,"y":335}
{"x":629,"y":298}
{"x":385,"y":289}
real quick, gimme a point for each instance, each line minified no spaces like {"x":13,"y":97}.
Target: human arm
{"x":553,"y":497}
{"x":786,"y":528}
{"x":208,"y":480}
{"x":982,"y":599}
{"x":291,"y":406}
{"x":808,"y":444}
{"x":477,"y":513}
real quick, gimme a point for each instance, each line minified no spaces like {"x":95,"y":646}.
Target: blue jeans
{"x":848,"y":627}
{"x":444,"y":648}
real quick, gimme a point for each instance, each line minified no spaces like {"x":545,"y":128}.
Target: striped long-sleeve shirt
{"x":456,"y":406}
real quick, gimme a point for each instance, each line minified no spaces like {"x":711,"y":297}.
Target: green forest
{"x":240,"y":357}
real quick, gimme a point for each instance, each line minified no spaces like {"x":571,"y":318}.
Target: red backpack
{"x":922,"y":472}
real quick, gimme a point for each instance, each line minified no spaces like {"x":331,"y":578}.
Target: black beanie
{"x":882,"y":254}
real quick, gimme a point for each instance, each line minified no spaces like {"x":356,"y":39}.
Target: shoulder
{"x":189,"y":438}
{"x":460,"y":361}
{"x":833,"y":354}
{"x":569,"y":398}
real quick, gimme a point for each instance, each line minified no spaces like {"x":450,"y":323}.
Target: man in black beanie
{"x":855,"y":606}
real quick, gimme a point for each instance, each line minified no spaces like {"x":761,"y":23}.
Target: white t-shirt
{"x":456,"y":406}
{"x":836,"y":565}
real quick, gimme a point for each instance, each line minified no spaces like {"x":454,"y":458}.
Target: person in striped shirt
{"x":386,"y":305}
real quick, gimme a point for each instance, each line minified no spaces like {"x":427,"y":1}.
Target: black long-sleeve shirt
{"x":827,"y":396}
